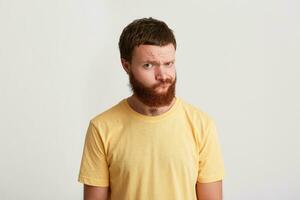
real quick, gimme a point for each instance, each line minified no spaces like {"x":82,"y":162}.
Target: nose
{"x":160,"y":74}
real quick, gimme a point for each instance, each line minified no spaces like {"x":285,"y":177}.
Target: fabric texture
{"x":151,"y":157}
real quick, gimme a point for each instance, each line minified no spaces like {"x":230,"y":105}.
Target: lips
{"x":164,"y":85}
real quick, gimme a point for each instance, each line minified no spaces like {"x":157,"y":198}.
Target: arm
{"x":95,"y":192}
{"x":209,"y":191}
{"x":94,"y":172}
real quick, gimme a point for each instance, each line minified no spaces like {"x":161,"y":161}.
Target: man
{"x":151,"y":145}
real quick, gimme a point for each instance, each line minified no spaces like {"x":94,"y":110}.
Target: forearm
{"x":95,"y":193}
{"x":209,"y":191}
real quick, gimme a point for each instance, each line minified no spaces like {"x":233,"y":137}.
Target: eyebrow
{"x":155,"y":62}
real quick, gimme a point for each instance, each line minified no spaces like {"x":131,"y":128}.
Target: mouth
{"x":163,"y":85}
{"x":162,"y":88}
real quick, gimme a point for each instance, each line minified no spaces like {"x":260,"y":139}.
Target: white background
{"x":59,"y":66}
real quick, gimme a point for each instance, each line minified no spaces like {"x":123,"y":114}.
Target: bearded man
{"x":152,"y":145}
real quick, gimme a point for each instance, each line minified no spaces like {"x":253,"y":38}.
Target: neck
{"x":141,"y":108}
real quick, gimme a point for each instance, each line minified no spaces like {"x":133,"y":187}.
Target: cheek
{"x":146,"y":78}
{"x":172,"y":73}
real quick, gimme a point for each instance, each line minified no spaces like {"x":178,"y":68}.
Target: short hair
{"x":148,"y":31}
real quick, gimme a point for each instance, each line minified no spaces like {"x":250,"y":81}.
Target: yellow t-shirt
{"x":144,"y":157}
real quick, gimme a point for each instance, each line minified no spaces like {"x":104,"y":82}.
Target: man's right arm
{"x":95,"y":192}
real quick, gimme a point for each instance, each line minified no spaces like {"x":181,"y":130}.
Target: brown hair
{"x":144,"y":31}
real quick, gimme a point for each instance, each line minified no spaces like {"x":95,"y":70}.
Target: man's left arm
{"x":209,"y":191}
{"x":211,"y":166}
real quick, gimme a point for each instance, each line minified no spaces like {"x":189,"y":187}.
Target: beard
{"x":148,"y":95}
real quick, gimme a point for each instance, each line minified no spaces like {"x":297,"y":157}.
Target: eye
{"x":170,"y":64}
{"x":148,"y":65}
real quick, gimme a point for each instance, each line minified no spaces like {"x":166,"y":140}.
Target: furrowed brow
{"x":157,"y":63}
{"x":151,"y":62}
{"x":169,"y":62}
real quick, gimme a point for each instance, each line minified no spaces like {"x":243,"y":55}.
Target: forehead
{"x":153,"y":53}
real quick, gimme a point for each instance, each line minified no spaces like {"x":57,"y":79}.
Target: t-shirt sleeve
{"x":93,"y":168}
{"x":211,"y":166}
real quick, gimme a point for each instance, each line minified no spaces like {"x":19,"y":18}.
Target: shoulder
{"x":203,"y":123}
{"x":195,"y":112}
{"x":110,"y":115}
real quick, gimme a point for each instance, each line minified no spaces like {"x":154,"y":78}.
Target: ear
{"x":126,"y":65}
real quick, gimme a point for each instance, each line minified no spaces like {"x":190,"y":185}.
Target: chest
{"x":141,"y":148}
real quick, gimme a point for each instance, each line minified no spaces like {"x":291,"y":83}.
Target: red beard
{"x":148,"y":95}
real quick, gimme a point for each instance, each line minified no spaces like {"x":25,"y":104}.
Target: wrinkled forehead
{"x":143,"y":53}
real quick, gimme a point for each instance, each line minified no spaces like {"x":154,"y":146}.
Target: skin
{"x":95,"y":192}
{"x":209,"y":191}
{"x":150,"y":64}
